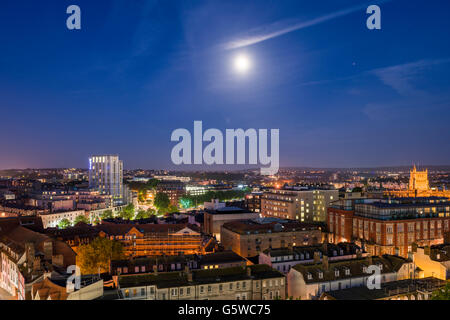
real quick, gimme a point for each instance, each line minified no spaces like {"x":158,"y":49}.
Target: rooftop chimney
{"x":316,"y":257}
{"x":48,"y":250}
{"x":325,"y":264}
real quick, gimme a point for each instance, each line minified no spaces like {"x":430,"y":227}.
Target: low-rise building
{"x":408,"y":289}
{"x":91,"y":288}
{"x":309,"y":281}
{"x":249,"y":238}
{"x":52,"y":219}
{"x":217,"y":260}
{"x":283,"y":259}
{"x":256,"y":282}
{"x":26,"y":255}
{"x":433,"y":261}
{"x":156,"y":239}
{"x":215,"y":218}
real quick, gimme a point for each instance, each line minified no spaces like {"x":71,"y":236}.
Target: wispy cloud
{"x":401,"y":77}
{"x":282,"y":27}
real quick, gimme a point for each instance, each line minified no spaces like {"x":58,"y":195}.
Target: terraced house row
{"x":256,"y":282}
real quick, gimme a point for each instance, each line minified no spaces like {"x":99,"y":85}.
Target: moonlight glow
{"x":242,"y":64}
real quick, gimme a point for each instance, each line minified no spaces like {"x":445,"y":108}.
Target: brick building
{"x":156,"y":239}
{"x":249,"y":238}
{"x":390,"y":226}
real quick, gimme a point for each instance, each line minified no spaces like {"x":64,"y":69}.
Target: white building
{"x":106,"y":176}
{"x":306,"y":204}
{"x":309,"y":281}
{"x":51,"y":220}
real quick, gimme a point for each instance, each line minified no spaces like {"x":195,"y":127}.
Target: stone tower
{"x":418,"y":180}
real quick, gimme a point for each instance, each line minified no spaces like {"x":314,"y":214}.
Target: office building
{"x":106,"y":176}
{"x":302,"y":203}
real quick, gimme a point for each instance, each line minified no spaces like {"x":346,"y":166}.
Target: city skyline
{"x":341,"y":95}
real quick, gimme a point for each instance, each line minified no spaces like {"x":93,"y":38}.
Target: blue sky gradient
{"x":341,"y":95}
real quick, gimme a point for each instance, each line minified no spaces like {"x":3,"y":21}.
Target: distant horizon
{"x":419,"y":167}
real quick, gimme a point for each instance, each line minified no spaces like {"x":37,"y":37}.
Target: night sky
{"x":341,"y":95}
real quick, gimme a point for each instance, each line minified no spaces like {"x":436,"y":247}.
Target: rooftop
{"x":178,"y":279}
{"x":317,"y":272}
{"x":388,"y":289}
{"x":262,"y":226}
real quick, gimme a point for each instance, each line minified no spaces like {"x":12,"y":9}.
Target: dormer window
{"x":320,"y":274}
{"x":302,"y":256}
{"x":347,"y":271}
{"x":380,"y":265}
{"x":334,"y":253}
{"x":309,"y":275}
{"x":364,"y":268}
{"x":336,"y":272}
{"x":307,"y":255}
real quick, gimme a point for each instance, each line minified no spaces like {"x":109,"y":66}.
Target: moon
{"x":242,"y":63}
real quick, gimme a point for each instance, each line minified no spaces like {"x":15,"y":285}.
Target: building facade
{"x":306,"y":204}
{"x":106,"y":176}
{"x":249,"y":238}
{"x":283,"y":259}
{"x":390,"y":226}
{"x":214,"y":219}
{"x":310,"y":281}
{"x":156,"y":239}
{"x":256,"y":282}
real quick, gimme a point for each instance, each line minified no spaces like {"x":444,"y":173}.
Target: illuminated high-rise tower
{"x":106,"y":175}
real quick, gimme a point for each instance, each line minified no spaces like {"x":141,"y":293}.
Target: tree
{"x":96,"y":256}
{"x":81,"y":218}
{"x":64,"y":223}
{"x":144,"y":214}
{"x":141,"y":196}
{"x":442,"y":293}
{"x":127,"y":213}
{"x":107,"y":214}
{"x":161,"y":202}
{"x":152,"y":183}
{"x":186,"y":203}
{"x":172,"y":209}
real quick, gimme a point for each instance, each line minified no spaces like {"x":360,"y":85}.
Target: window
{"x":202,"y":289}
{"x":142,"y":291}
{"x":336,"y":272}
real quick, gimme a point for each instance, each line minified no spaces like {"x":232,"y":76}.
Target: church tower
{"x":418,"y":180}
